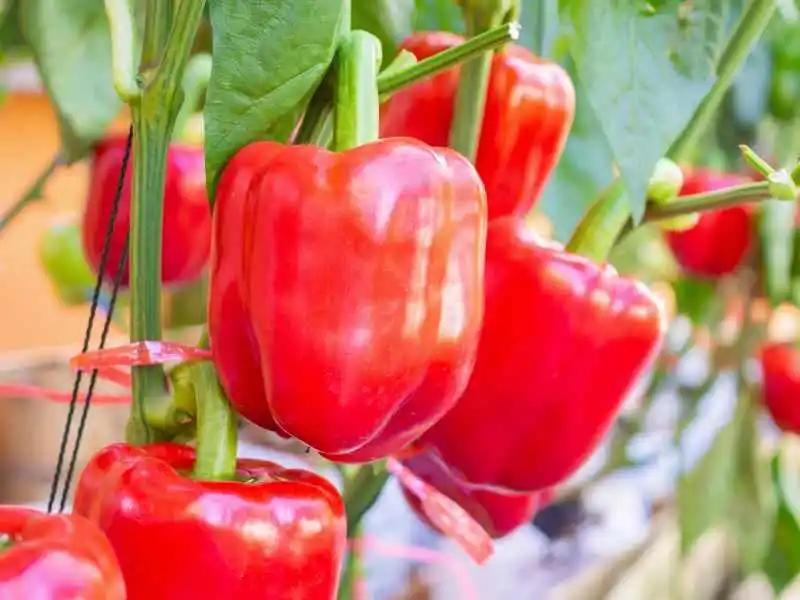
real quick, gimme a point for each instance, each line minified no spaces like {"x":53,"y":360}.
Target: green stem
{"x":123,"y":45}
{"x":597,"y":233}
{"x":153,"y":123}
{"x":740,"y":194}
{"x":33,"y":193}
{"x":465,"y":131}
{"x":752,"y":24}
{"x":157,"y":25}
{"x":353,"y":571}
{"x":357,"y":105}
{"x":194,"y":85}
{"x":392,"y":81}
{"x":361,"y":491}
{"x":315,"y":127}
{"x":402,"y":72}
{"x":216,"y":427}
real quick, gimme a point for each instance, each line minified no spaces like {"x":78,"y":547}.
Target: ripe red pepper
{"x":187,"y":217}
{"x":780,"y":364}
{"x":563,"y":341}
{"x":346,"y":290}
{"x":55,"y":557}
{"x":529,"y":111}
{"x":498,"y":513}
{"x":273,"y":533}
{"x":718,"y":243}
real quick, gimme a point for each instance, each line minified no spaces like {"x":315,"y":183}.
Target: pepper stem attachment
{"x":216,"y":427}
{"x":357,"y":104}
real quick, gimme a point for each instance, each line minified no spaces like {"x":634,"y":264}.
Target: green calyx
{"x":5,"y":542}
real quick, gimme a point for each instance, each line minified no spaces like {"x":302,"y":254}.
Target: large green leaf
{"x":71,"y":45}
{"x":644,"y":74}
{"x":269,"y":58}
{"x":390,"y":20}
{"x":582,"y":172}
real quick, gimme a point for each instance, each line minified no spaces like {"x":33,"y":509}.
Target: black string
{"x":87,"y":339}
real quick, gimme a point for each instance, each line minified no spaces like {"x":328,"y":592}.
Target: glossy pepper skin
{"x":563,"y":342}
{"x":346,"y":290}
{"x":55,"y":557}
{"x":780,"y":364}
{"x":530,"y":107}
{"x":500,"y":514}
{"x":187,"y":217}
{"x":718,"y":244}
{"x":273,"y":533}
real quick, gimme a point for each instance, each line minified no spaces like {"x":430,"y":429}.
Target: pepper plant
{"x":356,"y":178}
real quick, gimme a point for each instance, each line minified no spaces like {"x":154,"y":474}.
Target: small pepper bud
{"x":781,"y":186}
{"x":665,"y":183}
{"x":664,"y":186}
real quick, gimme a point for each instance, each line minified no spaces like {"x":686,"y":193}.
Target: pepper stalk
{"x":166,"y":47}
{"x":479,"y":16}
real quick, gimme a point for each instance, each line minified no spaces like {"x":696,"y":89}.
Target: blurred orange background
{"x":31,"y":316}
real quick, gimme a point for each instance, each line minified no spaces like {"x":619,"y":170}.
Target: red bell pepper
{"x":563,"y":342}
{"x":719,"y":242}
{"x":273,"y":533}
{"x":498,"y":513}
{"x":187,"y":217}
{"x":529,"y":111}
{"x":780,"y":364}
{"x":55,"y":557}
{"x":346,"y":290}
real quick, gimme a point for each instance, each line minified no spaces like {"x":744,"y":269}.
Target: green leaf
{"x":582,"y":173}
{"x":269,"y":58}
{"x":438,"y":15}
{"x":71,"y":46}
{"x":783,"y":561}
{"x":539,"y":21}
{"x":644,"y":75}
{"x":777,"y":235}
{"x":389,"y":20}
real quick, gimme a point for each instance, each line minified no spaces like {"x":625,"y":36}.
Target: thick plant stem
{"x":33,"y":193}
{"x":216,"y":427}
{"x":361,"y":491}
{"x":465,"y":131}
{"x":357,"y":105}
{"x":153,"y":122}
{"x":751,"y":26}
{"x":353,"y":573}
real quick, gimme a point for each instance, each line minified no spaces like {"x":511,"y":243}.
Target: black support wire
{"x":62,"y":452}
